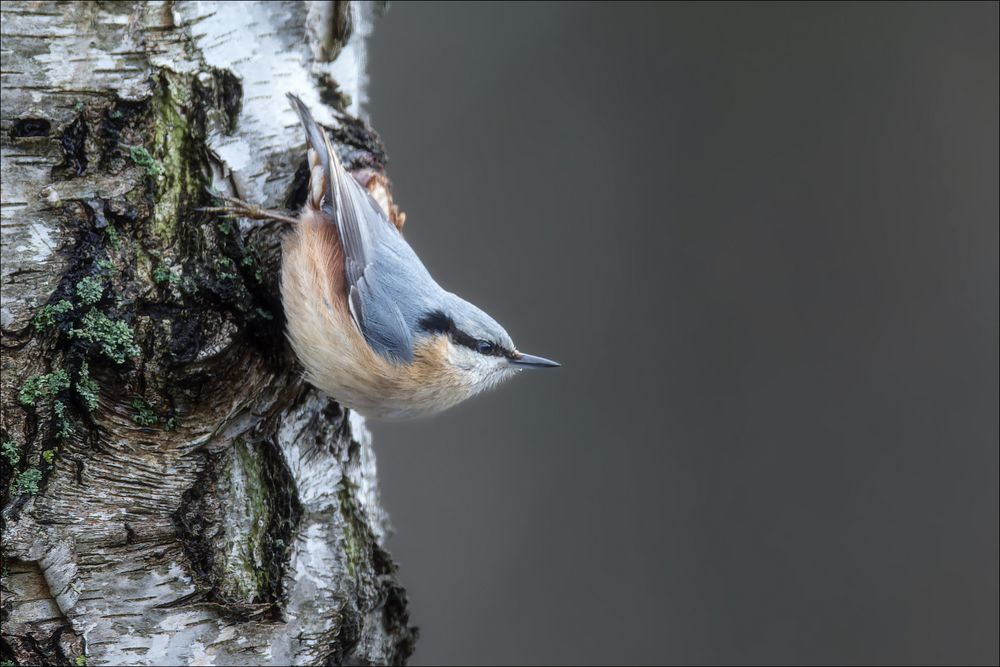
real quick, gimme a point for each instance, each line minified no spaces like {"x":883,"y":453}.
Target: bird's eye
{"x":485,"y":347}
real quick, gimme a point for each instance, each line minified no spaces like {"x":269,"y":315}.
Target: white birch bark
{"x":196,"y":503}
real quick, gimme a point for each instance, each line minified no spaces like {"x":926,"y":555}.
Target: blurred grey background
{"x":763,"y":241}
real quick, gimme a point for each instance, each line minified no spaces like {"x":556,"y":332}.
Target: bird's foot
{"x":237,"y":208}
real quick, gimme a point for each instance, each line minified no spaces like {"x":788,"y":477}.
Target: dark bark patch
{"x":119,"y":128}
{"x":30,"y":127}
{"x":359,"y":146}
{"x":396,"y":617}
{"x":74,"y":144}
{"x":298,"y":190}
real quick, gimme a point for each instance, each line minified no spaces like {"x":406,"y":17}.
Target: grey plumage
{"x":390,"y":292}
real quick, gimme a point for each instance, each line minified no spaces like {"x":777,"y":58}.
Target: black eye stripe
{"x":438,"y":322}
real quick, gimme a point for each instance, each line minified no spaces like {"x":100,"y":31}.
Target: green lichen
{"x":89,"y":291}
{"x":163,"y":275}
{"x":49,"y":455}
{"x":107,"y":265}
{"x":226,"y":268}
{"x":86,"y":388}
{"x":244,"y":551}
{"x":170,"y":147}
{"x":114,"y":338}
{"x":249,"y":262}
{"x":27,"y":482}
{"x":65,"y":428}
{"x":38,"y":387}
{"x":81,"y":661}
{"x":248,"y":565}
{"x":11,"y":452}
{"x":142,"y":157}
{"x":144,"y":415}
{"x":112,"y":235}
{"x":354,"y":529}
{"x":47,"y":316}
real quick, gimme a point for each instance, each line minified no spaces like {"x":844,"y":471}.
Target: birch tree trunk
{"x":173,"y":493}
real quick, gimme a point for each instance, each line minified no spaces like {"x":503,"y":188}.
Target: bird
{"x":369,"y":325}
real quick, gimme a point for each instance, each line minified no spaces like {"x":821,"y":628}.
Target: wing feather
{"x":354,"y":212}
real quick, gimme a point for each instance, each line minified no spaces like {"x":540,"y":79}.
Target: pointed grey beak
{"x":531,"y":361}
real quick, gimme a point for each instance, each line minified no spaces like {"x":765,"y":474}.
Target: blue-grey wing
{"x":381,"y":321}
{"x":372,"y":291}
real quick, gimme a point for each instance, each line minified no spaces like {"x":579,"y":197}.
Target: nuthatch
{"x":367,"y":321}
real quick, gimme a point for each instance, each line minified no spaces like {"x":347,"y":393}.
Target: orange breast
{"x":336,"y":357}
{"x":318,"y":246}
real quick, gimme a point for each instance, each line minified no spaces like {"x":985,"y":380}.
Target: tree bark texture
{"x":173,"y":493}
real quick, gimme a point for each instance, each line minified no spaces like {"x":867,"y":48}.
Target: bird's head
{"x":478,"y":349}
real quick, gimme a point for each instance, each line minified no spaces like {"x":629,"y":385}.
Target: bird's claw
{"x":237,"y":208}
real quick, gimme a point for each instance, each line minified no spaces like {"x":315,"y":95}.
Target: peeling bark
{"x":173,"y":493}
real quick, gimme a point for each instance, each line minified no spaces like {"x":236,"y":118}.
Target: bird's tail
{"x":325,"y":170}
